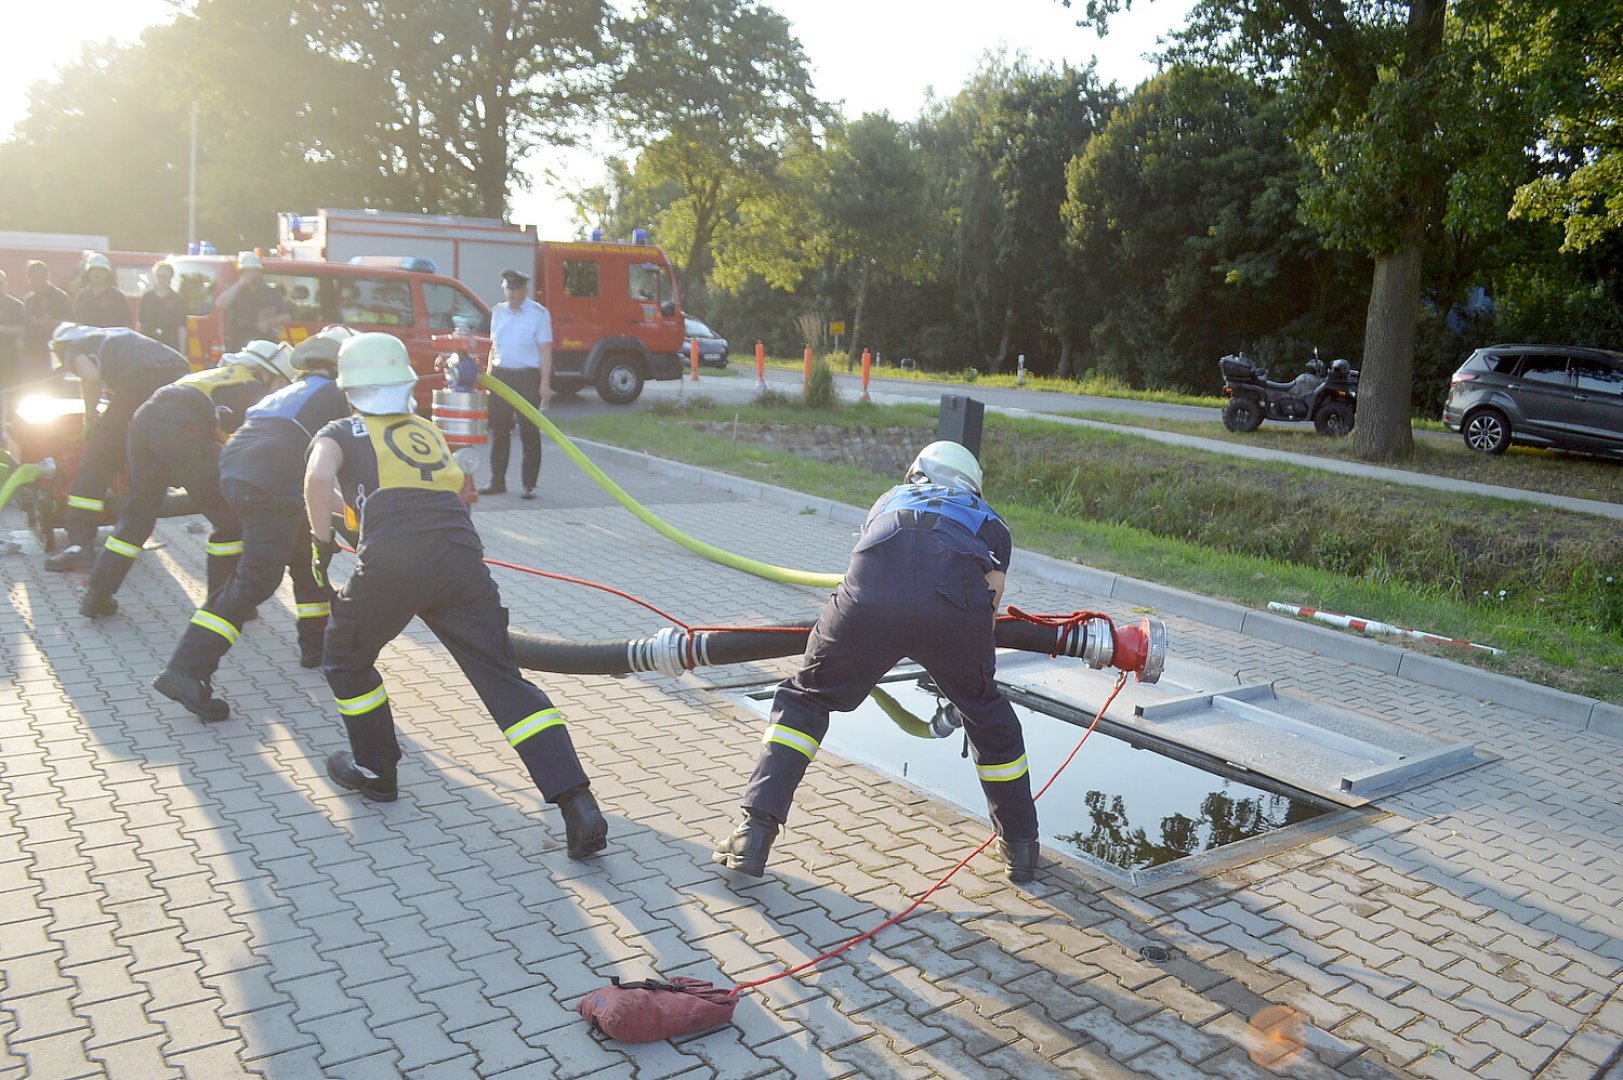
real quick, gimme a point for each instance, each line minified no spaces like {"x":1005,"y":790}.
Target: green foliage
{"x":712,"y":93}
{"x":821,"y":391}
{"x":1187,"y":197}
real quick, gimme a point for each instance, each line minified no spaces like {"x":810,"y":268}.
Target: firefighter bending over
{"x":925,"y":582}
{"x":419,"y":555}
{"x":175,"y":442}
{"x":262,"y":478}
{"x":128,"y":367}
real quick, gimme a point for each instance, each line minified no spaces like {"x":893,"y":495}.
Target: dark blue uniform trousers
{"x":906,"y":597}
{"x":105,"y":453}
{"x":439,"y":577}
{"x":275,"y":537}
{"x":167,"y":452}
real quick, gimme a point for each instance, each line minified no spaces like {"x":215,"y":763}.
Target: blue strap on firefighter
{"x":955,"y":504}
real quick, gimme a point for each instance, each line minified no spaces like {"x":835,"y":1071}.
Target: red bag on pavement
{"x":651,"y":1010}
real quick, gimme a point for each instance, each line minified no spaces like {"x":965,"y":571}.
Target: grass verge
{"x":1543,"y":584}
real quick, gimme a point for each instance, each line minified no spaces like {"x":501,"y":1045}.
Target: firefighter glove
{"x":321,"y":553}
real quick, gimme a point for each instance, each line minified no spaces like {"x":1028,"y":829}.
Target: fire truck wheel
{"x":619,"y":380}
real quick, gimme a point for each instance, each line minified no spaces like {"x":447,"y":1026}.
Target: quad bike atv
{"x":1328,"y":398}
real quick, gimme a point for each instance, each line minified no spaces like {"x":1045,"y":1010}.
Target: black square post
{"x":960,"y":421}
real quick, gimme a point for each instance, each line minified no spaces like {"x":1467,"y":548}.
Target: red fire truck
{"x":616,"y":316}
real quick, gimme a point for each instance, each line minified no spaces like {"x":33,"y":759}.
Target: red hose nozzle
{"x":1141,"y":649}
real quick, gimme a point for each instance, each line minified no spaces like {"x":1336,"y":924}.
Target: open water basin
{"x":1119,"y":807}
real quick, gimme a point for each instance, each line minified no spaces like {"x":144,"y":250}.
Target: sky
{"x":867,"y":55}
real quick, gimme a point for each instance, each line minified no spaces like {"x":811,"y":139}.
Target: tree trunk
{"x":856,"y":319}
{"x":1067,"y":347}
{"x":1002,"y":357}
{"x":1382,"y":431}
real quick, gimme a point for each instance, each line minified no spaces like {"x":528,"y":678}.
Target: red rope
{"x":933,"y":889}
{"x":1069,"y":625}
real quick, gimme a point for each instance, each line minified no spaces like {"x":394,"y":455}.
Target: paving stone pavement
{"x":188,"y":900}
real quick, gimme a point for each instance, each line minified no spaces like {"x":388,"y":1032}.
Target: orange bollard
{"x":867,"y":368}
{"x":760,"y":365}
{"x":805,"y":378}
{"x":693,"y":351}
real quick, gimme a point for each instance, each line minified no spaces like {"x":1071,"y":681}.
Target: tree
{"x":1183,"y":216}
{"x":105,"y":147}
{"x":473,"y":86}
{"x":1383,"y":107}
{"x":1573,"y":53}
{"x":711,"y":92}
{"x":1043,"y":120}
{"x":876,"y":214}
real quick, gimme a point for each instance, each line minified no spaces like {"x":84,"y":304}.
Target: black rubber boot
{"x":379,"y":786}
{"x":310,"y":643}
{"x":93,"y":604}
{"x":748,"y":846}
{"x":586,"y":830}
{"x":1022,"y":857}
{"x":72,"y":557}
{"x":195,"y":694}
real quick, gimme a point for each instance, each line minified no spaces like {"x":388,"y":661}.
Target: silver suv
{"x":1562,"y":396}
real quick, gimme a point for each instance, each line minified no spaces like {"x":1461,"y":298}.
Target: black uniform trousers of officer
{"x":438,"y":576}
{"x":527,"y":383}
{"x":169,"y":450}
{"x":275,"y":537}
{"x":907,"y":597}
{"x":106,"y":451}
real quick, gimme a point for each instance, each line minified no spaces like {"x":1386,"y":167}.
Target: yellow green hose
{"x":899,"y":715}
{"x":709,"y":551}
{"x":24,"y":474}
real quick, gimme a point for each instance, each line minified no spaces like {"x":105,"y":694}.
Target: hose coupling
{"x":1098,"y":643}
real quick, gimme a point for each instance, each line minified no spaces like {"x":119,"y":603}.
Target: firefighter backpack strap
{"x":651,"y":1010}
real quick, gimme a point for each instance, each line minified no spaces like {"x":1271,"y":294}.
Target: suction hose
{"x":1140,"y":649}
{"x":670,"y":532}
{"x":23,"y":474}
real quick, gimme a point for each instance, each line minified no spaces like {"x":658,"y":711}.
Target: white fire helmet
{"x":948,"y":464}
{"x":375,"y":373}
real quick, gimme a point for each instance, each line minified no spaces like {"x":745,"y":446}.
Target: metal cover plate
{"x":1342,"y":756}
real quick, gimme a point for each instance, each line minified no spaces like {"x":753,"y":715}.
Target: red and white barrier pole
{"x":805,"y":376}
{"x":760,"y":365}
{"x":1369,"y":626}
{"x":867,"y":368}
{"x":693,"y":351}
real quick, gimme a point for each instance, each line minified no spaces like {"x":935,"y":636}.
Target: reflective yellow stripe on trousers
{"x":122,"y":547}
{"x":534,"y":724}
{"x":794,"y":740}
{"x":1014,"y":770}
{"x":210,"y":621}
{"x":363,"y":703}
{"x":223,"y":547}
{"x":79,"y":502}
{"x":315,"y":611}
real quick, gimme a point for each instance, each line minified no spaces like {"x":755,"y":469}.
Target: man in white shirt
{"x":521,"y":357}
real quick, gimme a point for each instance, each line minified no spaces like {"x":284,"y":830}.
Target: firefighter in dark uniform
{"x":924,"y":582}
{"x":419,"y":555}
{"x":128,"y":367}
{"x":262,"y":478}
{"x":175,"y":440}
